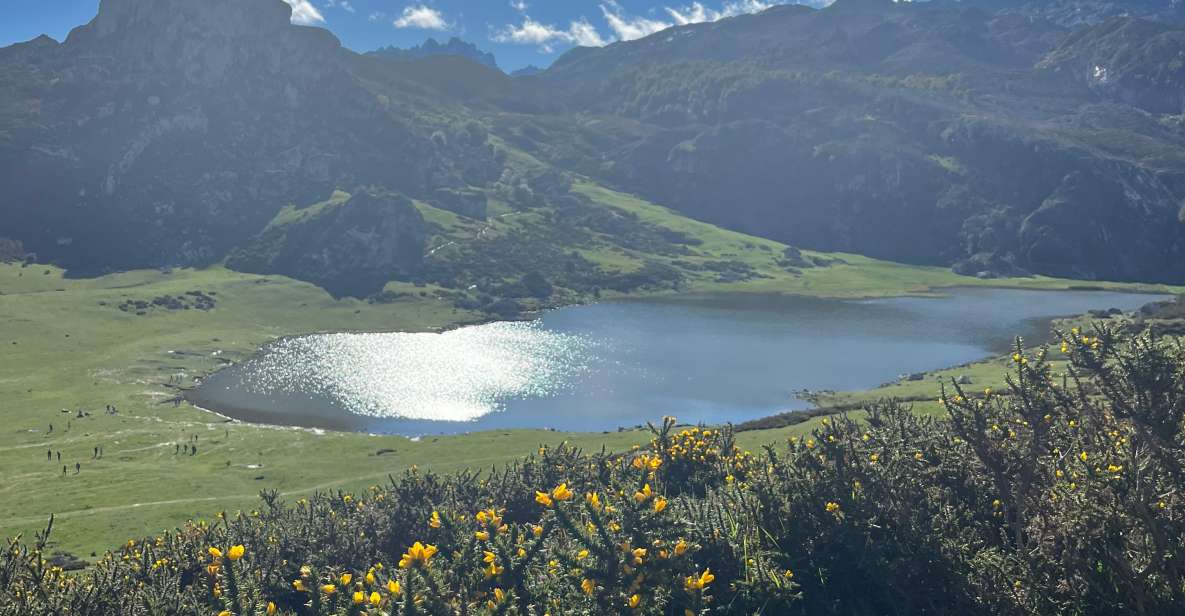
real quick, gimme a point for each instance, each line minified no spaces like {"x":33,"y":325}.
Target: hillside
{"x":998,"y":141}
{"x":982,"y":139}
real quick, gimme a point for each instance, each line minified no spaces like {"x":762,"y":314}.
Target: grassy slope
{"x":63,"y":350}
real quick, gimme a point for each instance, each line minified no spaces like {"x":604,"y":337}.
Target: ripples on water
{"x":474,"y":370}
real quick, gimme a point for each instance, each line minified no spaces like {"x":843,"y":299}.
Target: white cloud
{"x":377,"y":16}
{"x":532,"y":32}
{"x":423,"y":17}
{"x":698,"y":13}
{"x":624,"y":27}
{"x":304,"y":13}
{"x":345,"y":4}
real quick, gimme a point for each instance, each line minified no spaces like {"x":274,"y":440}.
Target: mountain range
{"x":454,"y":47}
{"x":997,"y":138}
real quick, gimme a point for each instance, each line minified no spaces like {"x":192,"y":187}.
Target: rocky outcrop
{"x":350,"y":247}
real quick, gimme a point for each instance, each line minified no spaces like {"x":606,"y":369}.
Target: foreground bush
{"x":1062,"y":495}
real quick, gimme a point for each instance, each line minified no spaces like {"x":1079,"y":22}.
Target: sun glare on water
{"x":459,"y":375}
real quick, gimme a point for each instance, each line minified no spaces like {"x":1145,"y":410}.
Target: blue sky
{"x":518,"y":32}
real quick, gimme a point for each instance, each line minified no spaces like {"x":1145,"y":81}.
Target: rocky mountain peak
{"x":162,"y":17}
{"x":200,"y":41}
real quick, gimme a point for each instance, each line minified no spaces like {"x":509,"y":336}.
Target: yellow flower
{"x":417,"y":555}
{"x":493,"y":570}
{"x":832,"y":507}
{"x":639,"y":555}
{"x":1114,"y":469}
{"x":561,"y":492}
{"x":298,"y":585}
{"x":582,"y":554}
{"x":633,"y":601}
{"x":370,"y":578}
{"x":434,"y":521}
{"x":789,"y":575}
{"x":644,"y":494}
{"x":537,"y":530}
{"x":680,"y":547}
{"x":271,"y":609}
{"x":329,"y":589}
{"x":499,"y":595}
{"x":215,"y":552}
{"x":482,"y":535}
{"x":660,"y":503}
{"x":359,"y":597}
{"x":236,"y":552}
{"x":346,"y":578}
{"x":543,"y":499}
{"x":224,"y":613}
{"x":594,"y":500}
{"x":306,"y":571}
{"x":1082,"y":456}
{"x":393,"y":587}
{"x":874,"y":458}
{"x":700,"y":582}
{"x":375,"y":599}
{"x":489,"y":557}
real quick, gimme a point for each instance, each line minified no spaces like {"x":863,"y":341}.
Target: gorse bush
{"x":1060,"y":495}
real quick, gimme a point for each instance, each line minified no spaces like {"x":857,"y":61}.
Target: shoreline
{"x":320,"y":426}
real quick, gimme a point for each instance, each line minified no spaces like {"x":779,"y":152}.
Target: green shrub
{"x":1059,"y":495}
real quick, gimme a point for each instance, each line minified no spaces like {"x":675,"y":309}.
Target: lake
{"x":601,"y":366}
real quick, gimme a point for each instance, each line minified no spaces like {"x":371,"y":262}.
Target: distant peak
{"x":431,"y":47}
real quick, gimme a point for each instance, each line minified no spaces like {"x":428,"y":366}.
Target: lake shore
{"x":68,"y":346}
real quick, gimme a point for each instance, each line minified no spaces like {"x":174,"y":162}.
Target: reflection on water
{"x":619,"y":364}
{"x":455,"y":376}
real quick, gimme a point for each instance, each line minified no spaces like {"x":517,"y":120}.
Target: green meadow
{"x":68,"y":346}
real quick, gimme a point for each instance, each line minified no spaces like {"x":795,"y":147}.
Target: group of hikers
{"x":96,"y":454}
{"x":189,"y":448}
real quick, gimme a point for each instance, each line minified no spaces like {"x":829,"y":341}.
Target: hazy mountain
{"x":454,"y":47}
{"x":993,"y":139}
{"x":168,"y":132}
{"x":929,"y":133}
{"x":530,"y":69}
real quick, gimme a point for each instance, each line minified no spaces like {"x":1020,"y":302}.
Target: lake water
{"x":598,"y":367}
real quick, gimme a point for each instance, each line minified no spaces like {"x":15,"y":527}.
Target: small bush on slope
{"x":1061,"y":495}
